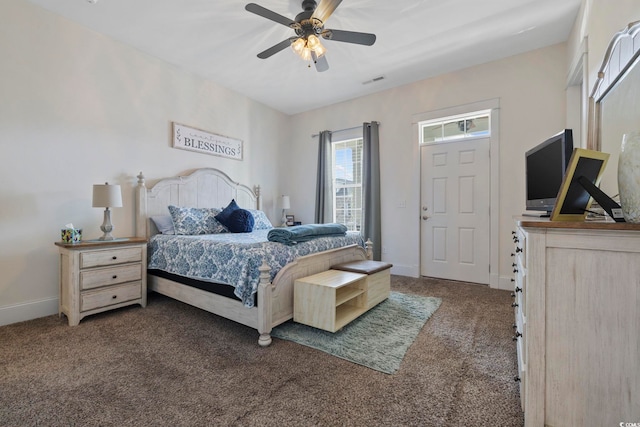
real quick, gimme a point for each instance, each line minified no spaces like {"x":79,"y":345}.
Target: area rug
{"x":378,"y":339}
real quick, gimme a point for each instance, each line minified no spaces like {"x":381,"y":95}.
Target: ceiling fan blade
{"x":366,"y":39}
{"x":325,"y":9}
{"x":321,"y":63}
{"x":275,"y":49}
{"x":266,"y":13}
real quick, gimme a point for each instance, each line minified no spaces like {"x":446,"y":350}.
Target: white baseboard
{"x":27,"y":311}
{"x":495,"y":281}
{"x":405,"y":270}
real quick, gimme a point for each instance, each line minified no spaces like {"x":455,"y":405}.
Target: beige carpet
{"x":171,"y":364}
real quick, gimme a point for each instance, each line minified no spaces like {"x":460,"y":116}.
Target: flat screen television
{"x":545,"y":166}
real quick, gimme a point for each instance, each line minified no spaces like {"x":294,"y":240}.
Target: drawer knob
{"x":515,"y":270}
{"x":518,"y":335}
{"x":514,"y":265}
{"x":115,"y":276}
{"x":114,"y":257}
{"x":514,"y":304}
{"x":518,"y":289}
{"x":518,"y":249}
{"x":517,"y":379}
{"x":114,"y":297}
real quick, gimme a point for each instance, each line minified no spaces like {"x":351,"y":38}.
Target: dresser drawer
{"x":95,"y":278}
{"x":113,"y":295}
{"x":110,"y":257}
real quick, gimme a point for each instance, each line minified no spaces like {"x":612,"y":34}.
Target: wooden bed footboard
{"x":276,"y":299}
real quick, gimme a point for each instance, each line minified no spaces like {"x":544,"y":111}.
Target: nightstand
{"x":97,"y":276}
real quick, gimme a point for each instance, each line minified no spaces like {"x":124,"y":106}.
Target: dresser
{"x":99,"y":276}
{"x":576,"y":301}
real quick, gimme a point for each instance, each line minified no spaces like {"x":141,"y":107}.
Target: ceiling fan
{"x":308,"y":25}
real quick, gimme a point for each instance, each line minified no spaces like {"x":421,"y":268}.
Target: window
{"x":472,"y":125}
{"x":347,"y":183}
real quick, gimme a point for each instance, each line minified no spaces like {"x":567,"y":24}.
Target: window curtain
{"x":371,"y":186}
{"x":324,"y":199}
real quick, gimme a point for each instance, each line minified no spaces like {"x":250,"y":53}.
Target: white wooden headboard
{"x":203,"y":188}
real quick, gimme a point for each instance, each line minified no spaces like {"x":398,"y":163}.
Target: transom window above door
{"x":455,"y":128}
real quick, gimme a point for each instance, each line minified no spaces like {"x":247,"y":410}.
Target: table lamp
{"x":286,"y":204}
{"x":107,"y":196}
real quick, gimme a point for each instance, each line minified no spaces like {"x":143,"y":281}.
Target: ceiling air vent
{"x":375,"y":79}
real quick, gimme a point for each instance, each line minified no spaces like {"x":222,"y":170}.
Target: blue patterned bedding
{"x":233,"y":258}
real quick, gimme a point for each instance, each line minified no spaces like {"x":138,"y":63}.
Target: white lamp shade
{"x":286,"y":203}
{"x":107,"y":196}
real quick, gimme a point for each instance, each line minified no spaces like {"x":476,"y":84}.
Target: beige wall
{"x":80,"y":109}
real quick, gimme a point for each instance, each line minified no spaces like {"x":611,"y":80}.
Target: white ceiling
{"x":416,"y":39}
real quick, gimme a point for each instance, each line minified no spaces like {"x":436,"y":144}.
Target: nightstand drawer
{"x":90,"y":279}
{"x":112,"y":295}
{"x":110,"y":257}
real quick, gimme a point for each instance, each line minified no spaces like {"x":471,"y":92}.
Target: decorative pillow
{"x":223,"y":216}
{"x":164,"y":224}
{"x":192,"y":221}
{"x":240,"y":221}
{"x":261,"y":220}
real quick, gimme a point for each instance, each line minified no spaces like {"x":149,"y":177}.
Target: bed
{"x":272,"y":302}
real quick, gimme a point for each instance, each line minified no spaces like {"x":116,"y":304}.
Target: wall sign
{"x":188,"y":138}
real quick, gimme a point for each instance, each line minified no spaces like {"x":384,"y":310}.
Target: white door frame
{"x":494,"y":175}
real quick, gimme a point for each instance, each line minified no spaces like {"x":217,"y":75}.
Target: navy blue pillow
{"x":223,"y":217}
{"x":240,"y":221}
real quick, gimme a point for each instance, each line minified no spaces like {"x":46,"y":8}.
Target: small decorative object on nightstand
{"x":291,"y":220}
{"x":107,"y":196}
{"x":97,"y":276}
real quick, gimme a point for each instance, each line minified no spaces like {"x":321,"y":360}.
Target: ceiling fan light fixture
{"x":303,"y":47}
{"x":306,"y":54}
{"x":298,"y":45}
{"x":313,"y":43}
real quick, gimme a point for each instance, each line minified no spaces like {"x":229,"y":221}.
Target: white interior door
{"x":454,"y":217}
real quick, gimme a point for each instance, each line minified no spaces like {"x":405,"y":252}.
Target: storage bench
{"x":378,"y":280}
{"x":330,"y":299}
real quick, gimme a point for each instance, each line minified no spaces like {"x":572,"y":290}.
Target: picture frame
{"x":573,"y":199}
{"x":290,"y":220}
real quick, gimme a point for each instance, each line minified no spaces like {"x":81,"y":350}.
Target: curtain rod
{"x":342,"y":130}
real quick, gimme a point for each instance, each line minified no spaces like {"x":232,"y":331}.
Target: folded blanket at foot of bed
{"x":302,"y":233}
